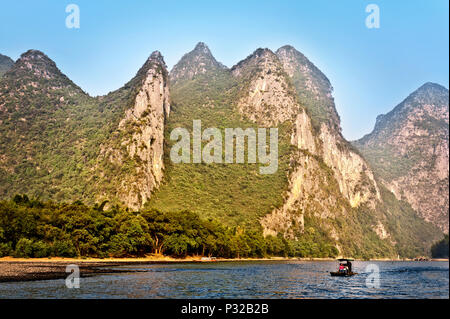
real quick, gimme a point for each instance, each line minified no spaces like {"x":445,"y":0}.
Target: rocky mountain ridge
{"x":268,"y":97}
{"x":115,"y":148}
{"x":409,"y":150}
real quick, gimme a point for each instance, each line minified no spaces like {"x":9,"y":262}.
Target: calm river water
{"x":273,"y":279}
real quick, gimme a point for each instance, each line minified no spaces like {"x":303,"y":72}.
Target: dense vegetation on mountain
{"x":53,"y":134}
{"x":408,"y":150}
{"x":49,"y":130}
{"x":62,"y":146}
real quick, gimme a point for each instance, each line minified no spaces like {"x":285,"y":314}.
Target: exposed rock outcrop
{"x":309,"y":193}
{"x":355,"y":178}
{"x":139,"y":140}
{"x":303,"y":134}
{"x":58,"y":143}
{"x":266,"y":96}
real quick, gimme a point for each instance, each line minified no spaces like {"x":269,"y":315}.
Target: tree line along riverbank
{"x":33,"y":228}
{"x":30,"y":228}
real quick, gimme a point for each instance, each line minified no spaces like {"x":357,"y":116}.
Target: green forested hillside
{"x":234,"y":193}
{"x":57,"y":143}
{"x":51,"y":131}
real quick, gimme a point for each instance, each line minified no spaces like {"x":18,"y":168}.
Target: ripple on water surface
{"x":274,"y":279}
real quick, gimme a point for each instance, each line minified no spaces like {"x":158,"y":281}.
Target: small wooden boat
{"x":345,"y":268}
{"x":342,"y":274}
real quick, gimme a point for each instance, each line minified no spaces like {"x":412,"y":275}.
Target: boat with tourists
{"x":345,"y":268}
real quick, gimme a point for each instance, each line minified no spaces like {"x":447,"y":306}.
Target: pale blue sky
{"x":372,"y":70}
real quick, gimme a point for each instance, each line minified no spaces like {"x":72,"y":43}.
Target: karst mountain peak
{"x":412,"y":140}
{"x":39,"y":63}
{"x":199,"y":61}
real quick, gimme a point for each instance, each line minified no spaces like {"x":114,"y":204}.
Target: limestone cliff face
{"x":323,"y":157}
{"x":303,"y":134}
{"x":139,"y":139}
{"x":409,"y":150}
{"x":266,"y":97}
{"x":309,"y":193}
{"x":326,"y":182}
{"x":355,"y":178}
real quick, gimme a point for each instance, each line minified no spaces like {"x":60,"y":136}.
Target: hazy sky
{"x":371,"y":70}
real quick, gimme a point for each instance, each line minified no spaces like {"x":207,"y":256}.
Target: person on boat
{"x":342,"y":268}
{"x":349,"y":266}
